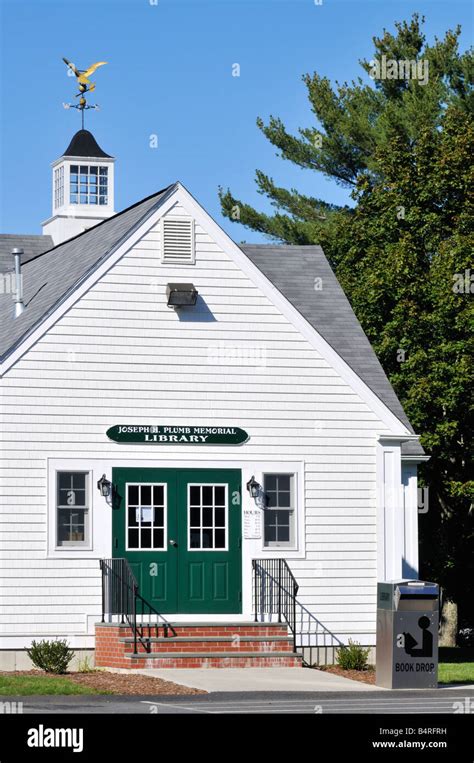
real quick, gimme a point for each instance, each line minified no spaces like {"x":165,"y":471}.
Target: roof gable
{"x":57,"y":278}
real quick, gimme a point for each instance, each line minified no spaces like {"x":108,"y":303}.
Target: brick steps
{"x":188,"y":645}
{"x":215,"y":660}
{"x":212,"y":644}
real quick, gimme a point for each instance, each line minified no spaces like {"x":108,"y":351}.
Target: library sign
{"x":175,"y":435}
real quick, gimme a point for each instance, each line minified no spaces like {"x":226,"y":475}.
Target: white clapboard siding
{"x":120,"y":353}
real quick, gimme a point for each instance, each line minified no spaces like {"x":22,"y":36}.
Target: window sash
{"x":274,"y":513}
{"x":81,"y":510}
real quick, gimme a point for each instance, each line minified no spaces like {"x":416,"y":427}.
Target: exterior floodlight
{"x":181,"y":294}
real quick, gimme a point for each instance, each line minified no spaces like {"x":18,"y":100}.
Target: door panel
{"x":181,"y":533}
{"x":210,"y":558}
{"x":144,"y":516}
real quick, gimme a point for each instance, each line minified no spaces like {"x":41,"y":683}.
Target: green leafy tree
{"x":403,"y":252}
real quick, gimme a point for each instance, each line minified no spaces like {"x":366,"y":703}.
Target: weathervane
{"x":85,"y":86}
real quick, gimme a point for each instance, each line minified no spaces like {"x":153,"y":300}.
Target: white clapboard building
{"x":203,"y":462}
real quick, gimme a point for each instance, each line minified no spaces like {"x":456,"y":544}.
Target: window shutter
{"x":177,"y":240}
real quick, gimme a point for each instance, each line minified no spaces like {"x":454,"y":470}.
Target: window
{"x":88,"y":184}
{"x":146,"y":517}
{"x":72,"y":506}
{"x":207,"y":512}
{"x":279,"y":512}
{"x":58,"y":187}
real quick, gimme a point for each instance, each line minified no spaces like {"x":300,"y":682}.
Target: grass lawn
{"x":30,"y":682}
{"x":15,"y":685}
{"x":456,"y":665}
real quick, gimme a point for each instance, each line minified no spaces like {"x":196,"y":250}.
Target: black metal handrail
{"x":120,"y":596}
{"x":274,"y":592}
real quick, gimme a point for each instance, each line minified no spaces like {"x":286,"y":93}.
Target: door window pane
{"x":146,"y":514}
{"x":207,"y":512}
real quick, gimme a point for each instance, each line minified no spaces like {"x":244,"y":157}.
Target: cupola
{"x":82,"y":188}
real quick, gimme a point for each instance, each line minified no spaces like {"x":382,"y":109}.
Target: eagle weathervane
{"x":85,"y":86}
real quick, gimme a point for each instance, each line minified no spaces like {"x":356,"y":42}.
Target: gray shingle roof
{"x":49,"y":277}
{"x":293,"y":270}
{"x":31,"y":245}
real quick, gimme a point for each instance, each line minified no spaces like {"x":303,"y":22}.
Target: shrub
{"x":352,"y":657}
{"x":51,"y":656}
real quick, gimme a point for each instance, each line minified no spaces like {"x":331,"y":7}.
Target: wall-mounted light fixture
{"x":104,"y":486}
{"x":254,"y":487}
{"x":181,"y":294}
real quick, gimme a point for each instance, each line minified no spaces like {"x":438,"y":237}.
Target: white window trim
{"x":298,"y":549}
{"x":188,"y":521}
{"x":165,"y":517}
{"x":85,"y":545}
{"x":292,"y":509}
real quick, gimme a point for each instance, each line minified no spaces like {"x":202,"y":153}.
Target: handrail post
{"x":103,"y":591}
{"x":294,"y":617}
{"x":134,"y":615}
{"x":254,"y":564}
{"x":279,"y":590}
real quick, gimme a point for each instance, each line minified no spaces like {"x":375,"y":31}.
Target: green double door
{"x":180,"y":530}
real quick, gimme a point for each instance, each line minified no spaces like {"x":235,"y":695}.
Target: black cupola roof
{"x":83,"y":143}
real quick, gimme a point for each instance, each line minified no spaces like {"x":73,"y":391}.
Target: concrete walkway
{"x":258,"y":679}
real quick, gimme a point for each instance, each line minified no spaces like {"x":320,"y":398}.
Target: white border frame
{"x":188,"y":516}
{"x":52,"y":523}
{"x":165,"y":516}
{"x":292,"y":545}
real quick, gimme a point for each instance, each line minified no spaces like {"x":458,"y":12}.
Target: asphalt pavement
{"x":425,"y":702}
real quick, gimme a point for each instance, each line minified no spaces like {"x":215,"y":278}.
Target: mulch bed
{"x":366,"y":676}
{"x":117,"y":683}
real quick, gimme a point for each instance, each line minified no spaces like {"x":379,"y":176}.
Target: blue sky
{"x":169,"y":74}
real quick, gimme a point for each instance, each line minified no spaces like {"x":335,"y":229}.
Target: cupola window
{"x":59,"y":187}
{"x":88,"y":184}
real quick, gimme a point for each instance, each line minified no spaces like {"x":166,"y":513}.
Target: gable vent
{"x":177,"y":240}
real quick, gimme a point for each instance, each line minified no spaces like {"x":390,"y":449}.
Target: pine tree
{"x":403,"y":146}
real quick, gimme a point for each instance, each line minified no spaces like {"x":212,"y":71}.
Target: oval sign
{"x":177,"y":435}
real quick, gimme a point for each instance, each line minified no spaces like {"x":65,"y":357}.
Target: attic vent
{"x":177,"y":240}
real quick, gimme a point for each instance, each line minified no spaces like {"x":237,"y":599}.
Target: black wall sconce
{"x":181,"y":294}
{"x":254,"y":487}
{"x":104,"y":486}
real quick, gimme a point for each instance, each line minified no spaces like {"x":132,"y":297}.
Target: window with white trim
{"x":279,"y":513}
{"x":72,"y":508}
{"x":146,"y":516}
{"x":208,"y":517}
{"x":88,"y":184}
{"x":59,"y":186}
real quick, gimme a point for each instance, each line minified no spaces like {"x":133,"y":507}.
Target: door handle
{"x":173,"y":543}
